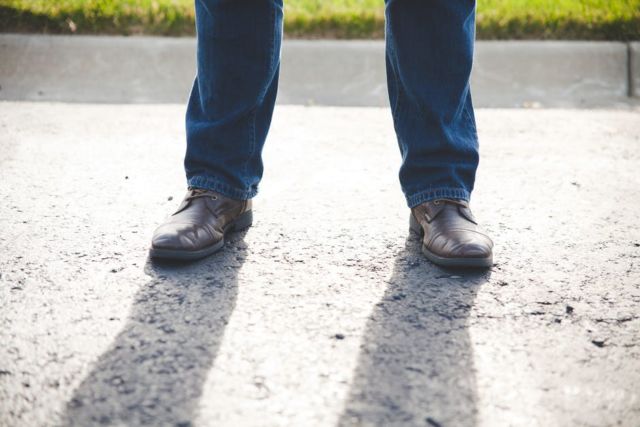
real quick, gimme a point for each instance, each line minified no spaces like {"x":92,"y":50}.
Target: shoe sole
{"x":242,"y":222}
{"x":415,"y":227}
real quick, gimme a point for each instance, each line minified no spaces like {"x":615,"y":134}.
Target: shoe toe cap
{"x":472,"y":250}
{"x":463,"y":245}
{"x":169,"y":236}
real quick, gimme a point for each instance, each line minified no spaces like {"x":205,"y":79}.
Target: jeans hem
{"x":216,"y":184}
{"x":418,"y":198}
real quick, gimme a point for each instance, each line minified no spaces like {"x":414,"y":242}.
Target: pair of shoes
{"x":451,"y":235}
{"x":199,"y":226}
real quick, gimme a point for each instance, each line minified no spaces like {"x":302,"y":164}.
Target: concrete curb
{"x":160,"y":70}
{"x":634,"y":69}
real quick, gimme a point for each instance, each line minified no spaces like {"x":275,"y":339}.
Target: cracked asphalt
{"x":324,"y":313}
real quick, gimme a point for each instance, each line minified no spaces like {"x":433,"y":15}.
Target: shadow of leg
{"x":154,"y":371}
{"x":416,"y":361}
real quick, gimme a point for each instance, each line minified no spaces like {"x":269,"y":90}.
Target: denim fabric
{"x":429,"y":57}
{"x":234,"y":93}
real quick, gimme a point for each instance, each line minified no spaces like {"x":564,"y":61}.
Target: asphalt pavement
{"x":324,"y":313}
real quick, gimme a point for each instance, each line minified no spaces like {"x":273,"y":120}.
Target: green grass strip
{"x":497,"y":19}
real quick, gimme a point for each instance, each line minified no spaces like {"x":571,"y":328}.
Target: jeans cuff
{"x":207,"y":182}
{"x":415,"y":199}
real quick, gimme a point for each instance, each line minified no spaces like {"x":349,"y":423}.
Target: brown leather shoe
{"x":199,"y":226}
{"x":452,"y":237}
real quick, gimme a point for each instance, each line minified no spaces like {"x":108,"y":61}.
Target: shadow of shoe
{"x":416,"y":360}
{"x":154,"y":371}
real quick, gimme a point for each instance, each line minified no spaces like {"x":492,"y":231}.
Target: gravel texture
{"x":324,"y":313}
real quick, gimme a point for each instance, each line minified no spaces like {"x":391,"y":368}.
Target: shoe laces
{"x":198,"y":193}
{"x":450,"y":201}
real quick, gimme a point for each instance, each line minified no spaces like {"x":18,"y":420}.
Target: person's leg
{"x":429,"y":58}
{"x":233,"y":96}
{"x":228,"y":117}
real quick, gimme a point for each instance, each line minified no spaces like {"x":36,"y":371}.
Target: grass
{"x":497,"y":19}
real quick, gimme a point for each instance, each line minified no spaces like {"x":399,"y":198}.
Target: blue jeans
{"x":429,"y":53}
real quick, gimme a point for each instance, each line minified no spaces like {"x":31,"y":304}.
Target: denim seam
{"x":209,"y":182}
{"x":263,"y":92}
{"x":396,"y":107}
{"x":401,"y":100}
{"x":252,"y":141}
{"x":471,"y":118}
{"x":270,"y":64}
{"x":399,"y":96}
{"x":420,"y":197}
